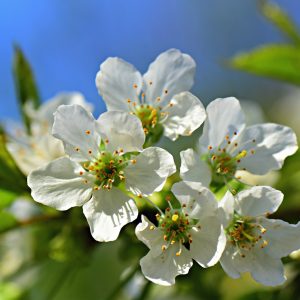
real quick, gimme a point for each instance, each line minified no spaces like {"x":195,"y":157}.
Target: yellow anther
{"x":107,"y":141}
{"x":152,"y":227}
{"x":173,"y":242}
{"x":88,"y":132}
{"x":128,"y":100}
{"x":241,"y":154}
{"x":178,"y":253}
{"x":90,"y":151}
{"x":175,"y":218}
{"x":209,"y":147}
{"x":252,"y":151}
{"x":135,"y":86}
{"x":264,"y":244}
{"x":140,"y":195}
{"x":133,"y":161}
{"x":77,"y":149}
{"x":158,"y":99}
{"x":163,"y":247}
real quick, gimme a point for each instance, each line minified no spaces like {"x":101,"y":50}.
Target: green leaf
{"x":6,"y":198}
{"x":11,"y":178}
{"x":280,"y":19}
{"x":7,"y":221}
{"x":280,"y":62}
{"x":25,"y":85}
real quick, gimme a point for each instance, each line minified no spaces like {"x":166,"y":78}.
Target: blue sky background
{"x":66,"y":41}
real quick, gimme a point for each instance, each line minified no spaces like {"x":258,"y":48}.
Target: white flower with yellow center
{"x":192,"y":232}
{"x":105,"y":158}
{"x":227,"y":145}
{"x":40,"y":147}
{"x":160,"y":98}
{"x":256,"y":244}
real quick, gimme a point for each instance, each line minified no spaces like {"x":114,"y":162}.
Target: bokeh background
{"x":65,"y":42}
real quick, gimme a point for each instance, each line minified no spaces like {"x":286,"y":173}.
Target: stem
{"x":32,"y":221}
{"x":153,"y":204}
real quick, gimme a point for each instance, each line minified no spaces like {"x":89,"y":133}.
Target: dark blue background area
{"x":66,"y":41}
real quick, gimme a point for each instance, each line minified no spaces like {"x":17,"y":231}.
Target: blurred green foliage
{"x":26,"y":89}
{"x":276,"y":61}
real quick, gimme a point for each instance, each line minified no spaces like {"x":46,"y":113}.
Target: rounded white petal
{"x":59,"y":185}
{"x":107,"y":212}
{"x":283,"y":238}
{"x":267,"y":146}
{"x":121,"y":130}
{"x":150,"y":171}
{"x":224,"y":117}
{"x":226,"y":208}
{"x":150,"y":235}
{"x":195,"y":199}
{"x":35,"y":151}
{"x":263,"y":268}
{"x":117,"y":81}
{"x":258,"y":201}
{"x":171,"y":73}
{"x":184,"y":116}
{"x":45,"y":112}
{"x":194,"y":169}
{"x":164,"y":268}
{"x":208,"y":242}
{"x":77,"y":128}
{"x":227,"y":261}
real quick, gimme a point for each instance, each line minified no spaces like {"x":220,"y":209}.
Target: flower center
{"x":224,"y":165}
{"x":148,"y":115}
{"x":245,"y":233}
{"x":107,"y":169}
{"x":176,"y":226}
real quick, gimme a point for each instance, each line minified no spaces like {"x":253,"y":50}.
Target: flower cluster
{"x":109,"y":162}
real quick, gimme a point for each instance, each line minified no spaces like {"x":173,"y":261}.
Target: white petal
{"x":35,"y":151}
{"x":184,"y":116}
{"x":116,"y":82}
{"x":283,"y":238}
{"x":258,"y":200}
{"x":194,"y":169}
{"x":152,"y":168}
{"x":273,"y":143}
{"x":226,"y":206}
{"x":164,"y":268}
{"x":197,"y":200}
{"x":172,"y":71}
{"x":150,"y":235}
{"x":208,"y":242}
{"x":263,"y":268}
{"x":45,"y":112}
{"x":77,"y":128}
{"x":224,"y":117}
{"x":122,"y":130}
{"x":107,"y":212}
{"x":59,"y":185}
{"x":227,"y":261}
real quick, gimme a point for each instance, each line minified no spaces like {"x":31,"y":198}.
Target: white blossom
{"x":31,"y":151}
{"x":227,"y":146}
{"x":160,"y":97}
{"x":255,"y":243}
{"x":105,"y":158}
{"x":192,"y":232}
